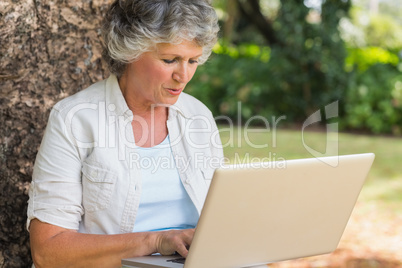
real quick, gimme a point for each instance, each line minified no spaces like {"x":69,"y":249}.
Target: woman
{"x":124,"y":165}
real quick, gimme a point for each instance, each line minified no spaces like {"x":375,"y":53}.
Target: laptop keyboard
{"x":177,"y":260}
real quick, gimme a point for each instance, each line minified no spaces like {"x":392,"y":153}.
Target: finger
{"x":182,"y":250}
{"x":188,"y":237}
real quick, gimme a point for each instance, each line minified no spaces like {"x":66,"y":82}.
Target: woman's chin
{"x":168,"y":101}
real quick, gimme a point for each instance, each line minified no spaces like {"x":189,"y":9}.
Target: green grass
{"x":383,"y":188}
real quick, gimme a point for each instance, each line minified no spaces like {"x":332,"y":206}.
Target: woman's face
{"x":159,"y":76}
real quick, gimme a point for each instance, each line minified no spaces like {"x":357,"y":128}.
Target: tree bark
{"x":49,"y":50}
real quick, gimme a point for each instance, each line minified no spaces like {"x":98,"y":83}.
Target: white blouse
{"x":86,"y":174}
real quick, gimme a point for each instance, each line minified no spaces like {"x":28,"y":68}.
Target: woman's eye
{"x":169,"y":61}
{"x":193,"y":61}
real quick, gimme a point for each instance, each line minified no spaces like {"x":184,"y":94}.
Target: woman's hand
{"x":169,"y":242}
{"x":54,"y":246}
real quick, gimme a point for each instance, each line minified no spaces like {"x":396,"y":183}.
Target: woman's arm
{"x":54,"y":246}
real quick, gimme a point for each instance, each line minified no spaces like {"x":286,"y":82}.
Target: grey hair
{"x":133,"y":27}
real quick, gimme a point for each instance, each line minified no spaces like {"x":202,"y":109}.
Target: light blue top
{"x":164,"y":202}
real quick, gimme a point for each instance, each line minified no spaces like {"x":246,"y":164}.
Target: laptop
{"x":261,"y":213}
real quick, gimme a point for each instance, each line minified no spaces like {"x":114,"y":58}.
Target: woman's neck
{"x":149,"y":120}
{"x":138,"y":106}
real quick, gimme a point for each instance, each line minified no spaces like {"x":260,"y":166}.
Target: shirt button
{"x":188,"y":181}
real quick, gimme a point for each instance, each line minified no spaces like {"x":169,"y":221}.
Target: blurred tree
{"x":288,"y":58}
{"x":364,"y":28}
{"x":251,"y":10}
{"x":388,"y":7}
{"x":305,"y":69}
{"x":383,"y":31}
{"x":392,"y":8}
{"x":232,"y":13}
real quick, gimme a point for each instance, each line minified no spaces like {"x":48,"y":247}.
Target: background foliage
{"x":312,"y":56}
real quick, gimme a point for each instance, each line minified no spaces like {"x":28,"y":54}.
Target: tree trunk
{"x":228,"y":27}
{"x":49,"y":50}
{"x":251,"y":10}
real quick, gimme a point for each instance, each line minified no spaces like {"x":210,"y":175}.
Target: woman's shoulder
{"x":189,"y":106}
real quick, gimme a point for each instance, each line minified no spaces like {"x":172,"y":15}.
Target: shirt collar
{"x":182,"y":107}
{"x":114,"y":97}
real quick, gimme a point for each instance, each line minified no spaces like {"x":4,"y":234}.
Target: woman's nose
{"x":181,"y":75}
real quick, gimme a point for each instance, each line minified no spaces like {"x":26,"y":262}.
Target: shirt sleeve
{"x":55,"y":194}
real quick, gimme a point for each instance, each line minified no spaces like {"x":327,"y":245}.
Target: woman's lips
{"x":175,"y":91}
